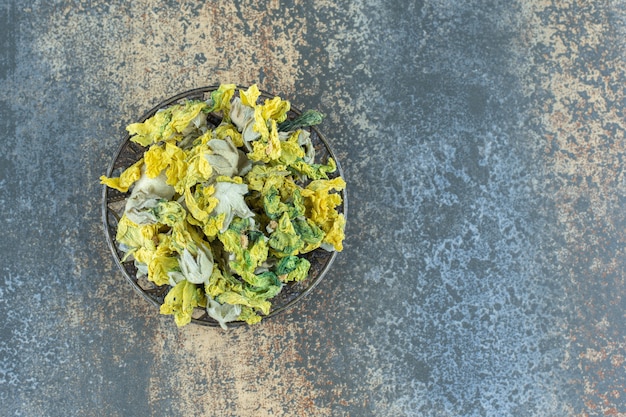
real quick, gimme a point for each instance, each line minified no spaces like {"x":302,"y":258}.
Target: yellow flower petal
{"x":221,"y":98}
{"x":291,"y":150}
{"x":177,"y":164}
{"x":273,"y":149}
{"x":160,"y":265}
{"x":194,"y":206}
{"x":268,"y":147}
{"x":126,"y":178}
{"x":213,"y":225}
{"x":250,"y":96}
{"x":181,"y":300}
{"x":335,"y":235}
{"x":227,"y":130}
{"x":321,"y":205}
{"x":275,"y":109}
{"x":155,"y":161}
{"x":183,"y":116}
{"x":150,"y":131}
{"x":260,"y":123}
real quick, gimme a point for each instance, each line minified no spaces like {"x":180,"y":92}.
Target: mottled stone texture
{"x":483,"y":272}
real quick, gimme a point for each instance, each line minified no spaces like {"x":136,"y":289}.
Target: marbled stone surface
{"x":483,"y":271}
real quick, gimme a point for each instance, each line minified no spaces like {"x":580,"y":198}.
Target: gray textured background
{"x":483,"y":145}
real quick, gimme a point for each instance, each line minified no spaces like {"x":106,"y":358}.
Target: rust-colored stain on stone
{"x":581,"y":76}
{"x":149,"y":51}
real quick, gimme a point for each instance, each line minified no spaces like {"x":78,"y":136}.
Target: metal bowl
{"x":113,"y":203}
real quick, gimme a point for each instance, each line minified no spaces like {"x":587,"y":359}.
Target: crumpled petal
{"x":275,"y":109}
{"x":321,"y":203}
{"x":293,"y":268}
{"x":152,"y":130}
{"x":228,"y":130}
{"x":250,"y":96}
{"x":161,"y":266}
{"x":126,"y":178}
{"x":181,"y":301}
{"x":221,"y":98}
{"x":225,"y":159}
{"x":223,"y":313}
{"x":284,"y":240}
{"x":263,"y":177}
{"x":188,"y":116}
{"x":198,"y":269}
{"x":133,"y":237}
{"x":268,"y":147}
{"x":145,"y":196}
{"x":231,"y":202}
